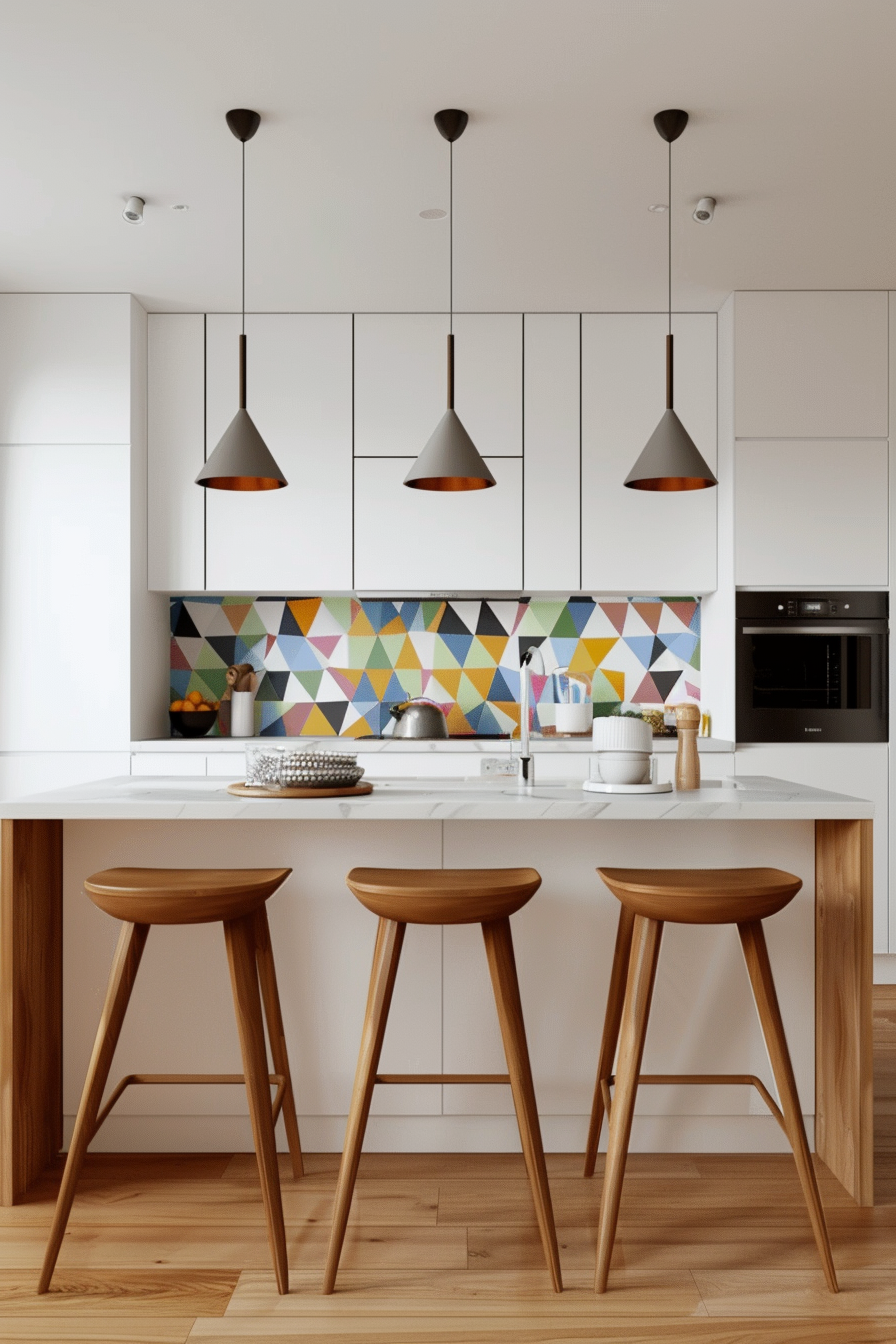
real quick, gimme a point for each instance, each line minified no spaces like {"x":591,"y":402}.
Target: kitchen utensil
{"x":598,"y":786}
{"x":419,"y":719}
{"x":687,"y":762}
{"x":617,"y":732}
{"x":197,"y":724}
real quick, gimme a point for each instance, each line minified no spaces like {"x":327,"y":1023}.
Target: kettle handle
{"x":397,"y":710}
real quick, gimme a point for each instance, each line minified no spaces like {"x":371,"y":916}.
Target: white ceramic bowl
{"x":615,"y":733}
{"x":617,"y":767}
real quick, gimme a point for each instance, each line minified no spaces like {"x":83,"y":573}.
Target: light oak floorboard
{"x":99,"y":1329}
{"x":525,"y":1330}
{"x":783,"y":1292}
{"x":134,"y":1292}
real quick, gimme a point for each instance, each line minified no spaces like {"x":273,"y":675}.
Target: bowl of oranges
{"x":193,"y":716}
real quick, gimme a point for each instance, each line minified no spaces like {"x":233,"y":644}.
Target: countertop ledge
{"x":481,"y":746}
{"x":748,"y":798}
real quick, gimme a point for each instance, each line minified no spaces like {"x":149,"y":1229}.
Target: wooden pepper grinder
{"x":687,"y":762}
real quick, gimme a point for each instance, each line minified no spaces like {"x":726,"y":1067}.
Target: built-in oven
{"x":812,"y":667}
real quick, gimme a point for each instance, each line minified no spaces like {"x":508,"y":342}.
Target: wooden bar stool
{"x":141,"y":897}
{"x":486,"y":896}
{"x":650,"y":898}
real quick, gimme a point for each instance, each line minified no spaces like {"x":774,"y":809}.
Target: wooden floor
{"x":443,"y":1249}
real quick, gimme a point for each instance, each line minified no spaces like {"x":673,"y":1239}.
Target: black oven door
{"x":808,"y":682}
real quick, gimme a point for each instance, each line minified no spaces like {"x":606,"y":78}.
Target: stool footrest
{"x":443,"y":1077}
{"x":141,"y":1079}
{"x":700,"y":1080}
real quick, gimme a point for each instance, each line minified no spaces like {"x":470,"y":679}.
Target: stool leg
{"x":267,"y":975}
{"x":239,"y":935}
{"x":389,"y":939}
{"x":502,"y":965}
{"x":759,"y":968}
{"x":610,"y":1038}
{"x":131,"y":942}
{"x":639,"y":991}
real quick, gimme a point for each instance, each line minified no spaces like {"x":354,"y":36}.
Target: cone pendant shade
{"x":242,"y":460}
{"x":450,"y":460}
{"x":670,"y":460}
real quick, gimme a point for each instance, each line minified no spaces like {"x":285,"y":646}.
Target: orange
{"x":195,"y":697}
{"x":176,"y":704}
{"x":188,"y":707}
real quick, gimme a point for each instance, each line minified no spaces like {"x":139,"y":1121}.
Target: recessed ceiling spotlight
{"x":133,"y":210}
{"x":180,"y":207}
{"x":435,"y":213}
{"x":658,"y":209}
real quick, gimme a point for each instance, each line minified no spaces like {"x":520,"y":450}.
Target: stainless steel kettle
{"x":420,"y":719}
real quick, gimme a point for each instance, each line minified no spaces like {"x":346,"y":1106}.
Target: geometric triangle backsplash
{"x":333,"y":666}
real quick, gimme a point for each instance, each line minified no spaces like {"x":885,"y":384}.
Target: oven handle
{"x":809,"y":630}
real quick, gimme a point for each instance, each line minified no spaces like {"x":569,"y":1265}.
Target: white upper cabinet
{"x":401,"y":381}
{"x":65,"y":368}
{"x":410,"y":541}
{"x":810,"y":365}
{"x":551,"y":505}
{"x":299,"y":393}
{"x":811,"y":513}
{"x":176,"y":438}
{"x":641,"y":541}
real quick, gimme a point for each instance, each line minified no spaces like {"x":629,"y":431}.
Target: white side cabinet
{"x":811,"y":364}
{"x":639,"y":541}
{"x":176,"y":439}
{"x":299,"y":393}
{"x":552,"y":561}
{"x":811,"y":513}
{"x":410,"y":541}
{"x":860,"y":769}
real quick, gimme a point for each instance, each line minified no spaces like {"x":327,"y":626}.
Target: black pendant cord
{"x":451,"y":275}
{"x":243,"y":300}
{"x":669,"y":361}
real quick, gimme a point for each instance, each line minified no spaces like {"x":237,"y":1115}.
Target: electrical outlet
{"x":500,"y":766}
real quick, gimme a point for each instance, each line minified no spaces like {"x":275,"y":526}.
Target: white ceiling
{"x":792,"y":110}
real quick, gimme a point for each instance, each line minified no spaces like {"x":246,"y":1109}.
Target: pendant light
{"x":450,"y":460}
{"x":242,"y":460}
{"x":670,"y":460}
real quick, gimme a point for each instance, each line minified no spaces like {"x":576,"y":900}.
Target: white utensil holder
{"x":242,"y":714}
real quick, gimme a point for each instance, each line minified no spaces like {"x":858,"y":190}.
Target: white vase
{"x":242,"y":714}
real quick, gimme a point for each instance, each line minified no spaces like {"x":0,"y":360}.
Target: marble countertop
{"x":749,"y":798}
{"x":482,"y":746}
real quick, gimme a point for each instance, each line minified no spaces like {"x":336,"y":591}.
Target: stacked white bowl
{"x":622,"y":750}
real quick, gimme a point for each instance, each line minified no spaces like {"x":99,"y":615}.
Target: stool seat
{"x":702,"y":895}
{"x":182,"y":895}
{"x":443,"y":896}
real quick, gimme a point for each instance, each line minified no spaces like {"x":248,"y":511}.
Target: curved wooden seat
{"x":649,"y":899}
{"x":702,"y":895}
{"x":486,"y":896}
{"x":139,"y":898}
{"x":443,"y":895}
{"x":182,"y":895}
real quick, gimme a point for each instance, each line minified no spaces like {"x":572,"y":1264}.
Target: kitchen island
{"x":441,"y":1022}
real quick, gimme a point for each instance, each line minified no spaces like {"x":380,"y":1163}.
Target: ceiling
{"x":792,"y":106}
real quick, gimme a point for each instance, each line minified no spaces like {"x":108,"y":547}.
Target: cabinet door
{"x":65,"y":374}
{"x":299,"y":393}
{"x":175,"y":439}
{"x":552,"y":561}
{"x":811,"y":513}
{"x":859,"y":769}
{"x":409,"y":541}
{"x":810,"y":365}
{"x":401,"y":381}
{"x":65,"y":561}
{"x":639,"y":541}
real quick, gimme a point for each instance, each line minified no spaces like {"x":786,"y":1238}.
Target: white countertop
{"x":750,"y":798}
{"x":482,"y":746}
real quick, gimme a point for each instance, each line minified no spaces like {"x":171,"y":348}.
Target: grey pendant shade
{"x":670,"y":459}
{"x":242,"y":459}
{"x":450,"y":459}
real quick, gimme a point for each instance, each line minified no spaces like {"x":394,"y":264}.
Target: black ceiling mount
{"x":243,"y":123}
{"x":671,"y":123}
{"x":451,"y":123}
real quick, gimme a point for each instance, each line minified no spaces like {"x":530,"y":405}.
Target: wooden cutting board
{"x":300,"y":791}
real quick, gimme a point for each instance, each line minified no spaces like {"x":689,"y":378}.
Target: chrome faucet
{"x":531,"y":661}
